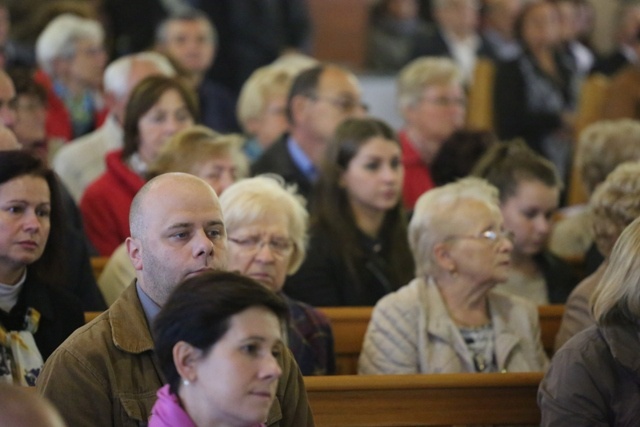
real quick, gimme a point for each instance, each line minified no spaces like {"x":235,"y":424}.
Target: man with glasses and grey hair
{"x":320,"y":98}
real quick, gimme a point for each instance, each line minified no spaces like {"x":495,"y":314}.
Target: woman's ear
{"x":442,"y":256}
{"x":185,"y":358}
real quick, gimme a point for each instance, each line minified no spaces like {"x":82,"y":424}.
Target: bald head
{"x":22,"y":407}
{"x":177,"y":231}
{"x":162,"y":188}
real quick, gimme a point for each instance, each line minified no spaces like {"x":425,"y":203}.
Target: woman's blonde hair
{"x":267,"y":82}
{"x":194,"y":145}
{"x":615,"y":204}
{"x":422,"y":73}
{"x":617,"y":296}
{"x":267,"y":196}
{"x":604,"y":145}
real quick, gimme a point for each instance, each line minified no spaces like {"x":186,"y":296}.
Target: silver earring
{"x":186,"y":383}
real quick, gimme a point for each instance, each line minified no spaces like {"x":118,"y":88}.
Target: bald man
{"x":24,"y":408}
{"x":106,"y":373}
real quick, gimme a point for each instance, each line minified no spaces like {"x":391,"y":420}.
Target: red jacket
{"x":58,"y":122}
{"x":417,"y":175}
{"x":106,"y":202}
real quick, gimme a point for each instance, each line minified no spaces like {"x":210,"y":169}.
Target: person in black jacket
{"x":359,"y":250}
{"x":529,"y":188}
{"x":535,"y":94}
{"x":319,"y":99}
{"x":36,"y":314}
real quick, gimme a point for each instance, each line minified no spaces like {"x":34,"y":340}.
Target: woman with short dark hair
{"x":217,"y":339}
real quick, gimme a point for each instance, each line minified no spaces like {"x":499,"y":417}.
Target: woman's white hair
{"x":435,"y":219}
{"x":58,"y":39}
{"x":422,"y":73}
{"x":267,"y":196}
{"x":116,"y":75}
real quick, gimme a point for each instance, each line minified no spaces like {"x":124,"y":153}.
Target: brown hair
{"x":143,"y":97}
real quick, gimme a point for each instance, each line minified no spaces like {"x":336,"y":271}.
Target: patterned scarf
{"x":20,"y":359}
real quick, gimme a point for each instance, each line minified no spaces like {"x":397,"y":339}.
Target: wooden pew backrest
{"x":550,"y":320}
{"x":424,"y":400}
{"x":349,"y":326}
{"x":97,"y":264}
{"x":90,"y":315}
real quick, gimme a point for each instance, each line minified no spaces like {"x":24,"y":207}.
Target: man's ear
{"x":134,"y":249}
{"x":185,"y":357}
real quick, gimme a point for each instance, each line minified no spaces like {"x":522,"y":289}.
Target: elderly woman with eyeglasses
{"x":449,"y":319}
{"x":267,"y":232}
{"x":432,"y":102}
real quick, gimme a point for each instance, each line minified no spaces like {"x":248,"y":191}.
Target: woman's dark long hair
{"x":49,"y":267}
{"x":332,"y":214}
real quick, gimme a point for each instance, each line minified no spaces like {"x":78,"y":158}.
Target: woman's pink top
{"x":167,"y":412}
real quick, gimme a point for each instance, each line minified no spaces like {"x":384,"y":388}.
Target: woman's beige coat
{"x":411,"y":332}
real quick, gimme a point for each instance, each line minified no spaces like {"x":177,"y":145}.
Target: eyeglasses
{"x":344,"y":104}
{"x":251,"y":245}
{"x":491,"y":236}
{"x":443,"y":101}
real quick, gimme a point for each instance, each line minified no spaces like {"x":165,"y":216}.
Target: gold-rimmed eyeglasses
{"x":253,"y":244}
{"x":344,"y":104}
{"x":491,"y":236}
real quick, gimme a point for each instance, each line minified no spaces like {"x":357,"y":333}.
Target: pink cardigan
{"x":167,"y":411}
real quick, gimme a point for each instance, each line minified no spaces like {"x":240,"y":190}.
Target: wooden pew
{"x":97,"y":264}
{"x":90,"y":315}
{"x":349,"y":326}
{"x":424,"y":400}
{"x":550,"y":320}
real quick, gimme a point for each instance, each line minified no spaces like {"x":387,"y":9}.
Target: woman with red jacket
{"x":158,"y":108}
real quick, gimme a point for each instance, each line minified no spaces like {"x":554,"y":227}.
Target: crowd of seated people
{"x":442,"y":230}
{"x":197,"y":150}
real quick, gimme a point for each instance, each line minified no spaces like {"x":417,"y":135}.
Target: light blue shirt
{"x":300,"y":159}
{"x":150,"y":308}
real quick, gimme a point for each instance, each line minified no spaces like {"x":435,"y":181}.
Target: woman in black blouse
{"x":535,"y":94}
{"x":358,"y":250}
